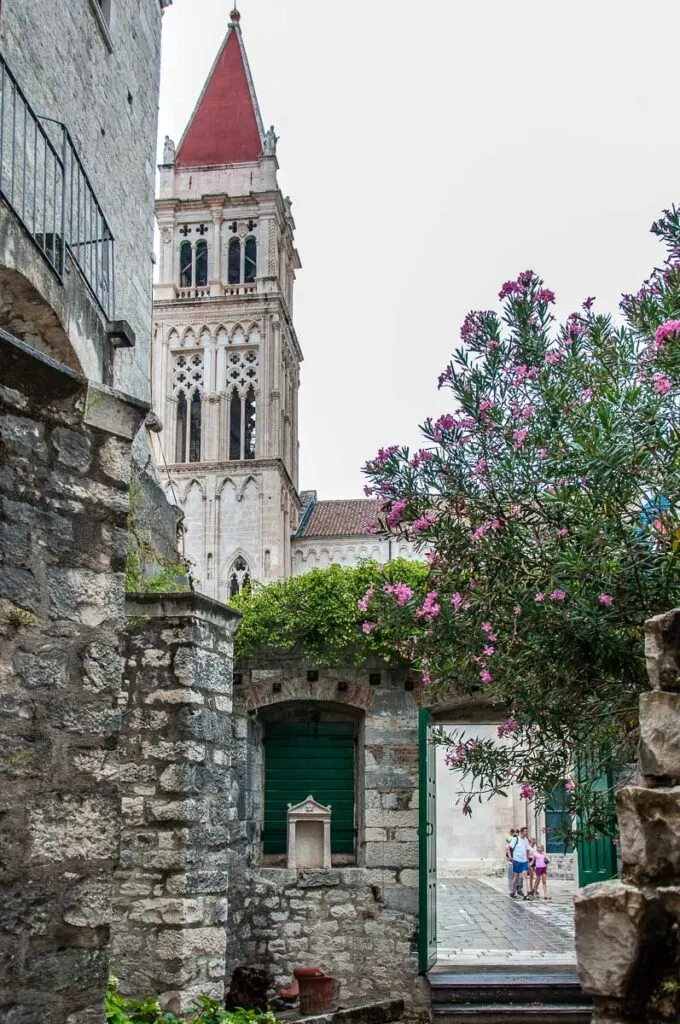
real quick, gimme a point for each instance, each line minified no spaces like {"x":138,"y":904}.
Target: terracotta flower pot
{"x":318,"y":992}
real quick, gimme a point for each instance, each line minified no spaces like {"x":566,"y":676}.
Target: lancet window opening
{"x":193,"y":264}
{"x":239,"y":576}
{"x":241,"y":387}
{"x":242,"y":260}
{"x":187,"y":381}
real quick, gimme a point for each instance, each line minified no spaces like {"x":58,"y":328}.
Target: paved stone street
{"x":476,"y":921}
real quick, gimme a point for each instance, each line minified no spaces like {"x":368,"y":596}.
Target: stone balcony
{"x":57,"y":290}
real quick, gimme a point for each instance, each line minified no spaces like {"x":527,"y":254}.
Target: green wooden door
{"x":303,"y":759}
{"x":596,"y":857}
{"x":427,"y":839}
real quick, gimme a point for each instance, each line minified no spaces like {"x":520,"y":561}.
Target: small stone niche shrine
{"x":309,"y":835}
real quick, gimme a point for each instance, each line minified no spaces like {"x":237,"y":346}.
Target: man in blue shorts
{"x":520,"y":864}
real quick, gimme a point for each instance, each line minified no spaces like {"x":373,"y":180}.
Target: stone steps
{"x":503,"y":996}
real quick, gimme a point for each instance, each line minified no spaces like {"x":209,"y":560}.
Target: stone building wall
{"x":64,"y":476}
{"x":178,"y":800}
{"x":106,"y":91}
{"x":628,"y":931}
{"x":357,"y":921}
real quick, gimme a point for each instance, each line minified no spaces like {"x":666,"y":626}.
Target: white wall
{"x":472,"y":845}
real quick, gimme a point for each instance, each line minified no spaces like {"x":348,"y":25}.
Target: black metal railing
{"x":44,"y":182}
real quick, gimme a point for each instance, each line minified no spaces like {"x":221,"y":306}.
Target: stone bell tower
{"x":226,"y":358}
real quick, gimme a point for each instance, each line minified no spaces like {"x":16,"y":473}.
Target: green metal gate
{"x":427,"y":838}
{"x":596,"y":857}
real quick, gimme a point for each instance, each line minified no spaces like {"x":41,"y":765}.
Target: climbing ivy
{"x":320,"y":613}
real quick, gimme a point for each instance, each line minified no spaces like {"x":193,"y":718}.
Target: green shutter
{"x":303,"y":758}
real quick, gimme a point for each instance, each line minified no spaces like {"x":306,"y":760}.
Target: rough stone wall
{"x":359,"y":922}
{"x":108,"y":99}
{"x":338,"y":920}
{"x":628,"y":931}
{"x":178,"y":800}
{"x":64,"y":475}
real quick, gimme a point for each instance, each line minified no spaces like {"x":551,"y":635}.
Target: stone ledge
{"x":187,"y":604}
{"x":382,"y":1011}
{"x":35,"y":374}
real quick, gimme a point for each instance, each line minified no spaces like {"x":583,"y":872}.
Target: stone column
{"x":171,"y":888}
{"x":216,"y":271}
{"x":64,"y":478}
{"x":627,"y":931}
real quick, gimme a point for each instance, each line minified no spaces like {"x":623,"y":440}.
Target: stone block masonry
{"x":64,"y":465}
{"x":178,"y":799}
{"x":357,"y":921}
{"x":627,"y":932}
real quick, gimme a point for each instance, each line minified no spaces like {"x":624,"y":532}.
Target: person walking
{"x":520,"y":863}
{"x":510,"y":841}
{"x":541,"y":870}
{"x":531,"y":873}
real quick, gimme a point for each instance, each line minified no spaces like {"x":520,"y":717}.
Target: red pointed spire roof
{"x":225,"y":127}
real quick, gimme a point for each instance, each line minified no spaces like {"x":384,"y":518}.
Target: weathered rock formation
{"x":627,"y":932}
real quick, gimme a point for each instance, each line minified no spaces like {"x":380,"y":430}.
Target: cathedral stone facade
{"x":226,"y":358}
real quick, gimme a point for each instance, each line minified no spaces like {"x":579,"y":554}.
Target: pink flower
{"x":402,"y":593}
{"x":430,"y":608}
{"x":426,"y":678}
{"x":508,"y":728}
{"x":518,"y":609}
{"x":424,"y":522}
{"x":587,"y":394}
{"x":543,"y":453}
{"x":606,"y":599}
{"x":662,"y":385}
{"x":487,"y":627}
{"x":558,"y":595}
{"x":363,"y":603}
{"x":667,"y":330}
{"x":569,"y":786}
{"x":368,"y":491}
{"x":385,"y":453}
{"x":545,"y":295}
{"x":521,"y":373}
{"x":519,"y":437}
{"x":562,"y":532}
{"x":489,"y":651}
{"x":457,"y":602}
{"x":481,"y":468}
{"x":396,"y":513}
{"x":539,"y":597}
{"x":509,"y":288}
{"x":445,"y":422}
{"x":368,"y":627}
{"x":527,"y":412}
{"x":526,"y":792}
{"x":455,"y":756}
{"x":486,"y":676}
{"x":553,"y":357}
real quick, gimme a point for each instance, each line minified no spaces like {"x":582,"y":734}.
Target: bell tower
{"x":226,"y":359}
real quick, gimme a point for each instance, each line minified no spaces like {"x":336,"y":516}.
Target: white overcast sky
{"x":433,"y":149}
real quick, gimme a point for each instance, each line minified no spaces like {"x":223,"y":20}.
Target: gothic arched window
{"x":235,"y":426}
{"x":250,"y":259}
{"x":201,"y":263}
{"x":250,"y":435}
{"x":181,"y":434}
{"x":234,"y":262}
{"x":185,"y":265}
{"x":239,"y":577}
{"x":195,"y":428}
